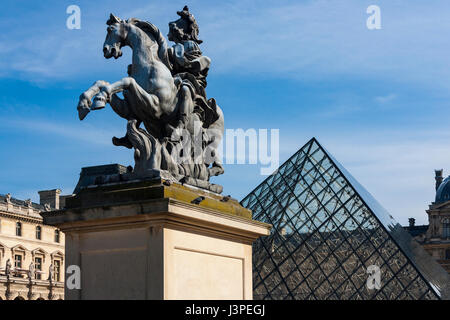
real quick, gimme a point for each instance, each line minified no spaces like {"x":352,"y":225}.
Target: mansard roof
{"x":22,"y":203}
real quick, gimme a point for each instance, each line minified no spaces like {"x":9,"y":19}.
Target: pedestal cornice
{"x":154,"y":203}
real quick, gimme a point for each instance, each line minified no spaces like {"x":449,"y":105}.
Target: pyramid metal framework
{"x":327,"y":231}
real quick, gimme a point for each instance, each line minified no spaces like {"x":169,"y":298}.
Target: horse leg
{"x":185,"y":109}
{"x":84,"y":103}
{"x":137,"y":96}
{"x":120,"y":106}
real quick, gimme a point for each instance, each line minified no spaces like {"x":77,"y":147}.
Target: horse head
{"x":115,"y":37}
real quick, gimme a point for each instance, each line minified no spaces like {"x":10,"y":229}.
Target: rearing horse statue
{"x":152,"y":96}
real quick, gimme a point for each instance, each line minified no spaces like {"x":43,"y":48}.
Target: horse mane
{"x":152,"y":31}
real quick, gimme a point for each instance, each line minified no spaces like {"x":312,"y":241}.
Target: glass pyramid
{"x":327,"y":231}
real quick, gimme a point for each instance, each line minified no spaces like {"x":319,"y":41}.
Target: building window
{"x":446,"y":229}
{"x":18,"y":229}
{"x":38,"y":267}
{"x":18,"y":261}
{"x":38,"y":232}
{"x":57,"y":236}
{"x":57,"y":265}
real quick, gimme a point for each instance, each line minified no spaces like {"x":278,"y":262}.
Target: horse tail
{"x":147,"y":153}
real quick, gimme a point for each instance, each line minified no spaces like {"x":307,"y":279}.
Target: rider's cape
{"x":192,"y":68}
{"x":206,"y":109}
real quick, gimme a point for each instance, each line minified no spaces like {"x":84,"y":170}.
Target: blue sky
{"x":378,"y":100}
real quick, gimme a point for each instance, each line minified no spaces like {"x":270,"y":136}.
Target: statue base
{"x":157,"y":240}
{"x":116,"y":173}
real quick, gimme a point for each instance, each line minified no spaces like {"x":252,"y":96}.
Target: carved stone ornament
{"x":28,"y":203}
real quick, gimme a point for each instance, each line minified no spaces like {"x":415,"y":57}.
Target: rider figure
{"x":190,"y":69}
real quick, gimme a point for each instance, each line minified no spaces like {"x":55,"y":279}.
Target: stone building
{"x":437,"y":238}
{"x":31,"y":253}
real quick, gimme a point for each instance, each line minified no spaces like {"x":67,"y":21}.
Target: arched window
{"x":57,"y":236}
{"x":446,"y":228}
{"x":18,"y":229}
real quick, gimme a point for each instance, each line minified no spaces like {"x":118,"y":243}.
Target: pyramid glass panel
{"x":328,"y":233}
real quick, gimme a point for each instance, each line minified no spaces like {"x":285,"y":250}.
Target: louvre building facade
{"x":332,"y":240}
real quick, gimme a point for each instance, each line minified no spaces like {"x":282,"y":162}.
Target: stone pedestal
{"x":156,"y":240}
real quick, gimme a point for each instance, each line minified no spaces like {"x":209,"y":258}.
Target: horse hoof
{"x":99,"y":102}
{"x":83,"y":112}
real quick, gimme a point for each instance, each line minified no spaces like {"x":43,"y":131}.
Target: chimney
{"x":50,"y":197}
{"x":412,"y":222}
{"x":438,"y":177}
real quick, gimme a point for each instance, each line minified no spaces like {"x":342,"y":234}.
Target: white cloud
{"x":385,"y":99}
{"x":306,"y":40}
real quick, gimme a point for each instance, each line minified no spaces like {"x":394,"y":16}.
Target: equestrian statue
{"x":174,"y":129}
